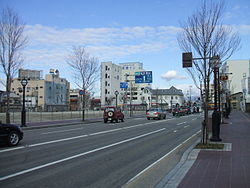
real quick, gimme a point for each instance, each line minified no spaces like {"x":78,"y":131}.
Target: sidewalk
{"x":221,"y":169}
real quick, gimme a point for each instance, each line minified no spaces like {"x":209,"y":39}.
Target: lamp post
{"x":116,"y":93}
{"x":215,"y":63}
{"x":24,"y":83}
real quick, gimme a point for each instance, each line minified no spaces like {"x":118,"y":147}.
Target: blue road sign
{"x":124,"y":85}
{"x":81,"y":92}
{"x":143,"y":77}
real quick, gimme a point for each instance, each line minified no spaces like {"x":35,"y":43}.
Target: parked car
{"x":112,"y":114}
{"x":10,"y":133}
{"x":155,"y":113}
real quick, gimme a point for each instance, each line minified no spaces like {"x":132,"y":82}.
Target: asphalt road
{"x":92,"y":155}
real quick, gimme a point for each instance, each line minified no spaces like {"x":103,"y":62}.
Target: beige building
{"x":49,"y":94}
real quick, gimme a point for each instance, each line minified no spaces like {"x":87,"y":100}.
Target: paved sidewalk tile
{"x":224,"y":169}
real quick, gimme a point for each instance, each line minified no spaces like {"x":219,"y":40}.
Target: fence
{"x":15,"y":117}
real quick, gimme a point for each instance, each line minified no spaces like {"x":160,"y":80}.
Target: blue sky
{"x":118,"y":31}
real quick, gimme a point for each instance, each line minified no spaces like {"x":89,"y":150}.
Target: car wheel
{"x":13,"y":138}
{"x":105,"y":120}
{"x":116,"y":120}
{"x":122,"y":119}
{"x":148,"y":118}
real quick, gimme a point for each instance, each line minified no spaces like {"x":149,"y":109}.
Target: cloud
{"x":106,"y":43}
{"x":172,"y":75}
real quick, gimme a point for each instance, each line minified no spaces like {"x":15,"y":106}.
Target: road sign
{"x":81,"y":92}
{"x":124,"y":85}
{"x":143,"y":77}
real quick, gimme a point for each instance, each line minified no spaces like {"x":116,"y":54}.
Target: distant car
{"x":10,"y":133}
{"x":179,"y":111}
{"x":112,"y":114}
{"x":155,"y":113}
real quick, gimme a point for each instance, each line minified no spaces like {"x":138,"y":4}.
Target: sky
{"x":119,"y":31}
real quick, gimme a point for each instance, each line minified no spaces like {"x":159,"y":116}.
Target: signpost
{"x":143,"y":77}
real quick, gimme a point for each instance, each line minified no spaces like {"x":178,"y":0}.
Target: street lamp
{"x":116,"y":93}
{"x":215,"y":63}
{"x":24,"y":83}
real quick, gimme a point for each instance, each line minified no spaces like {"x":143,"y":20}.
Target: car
{"x":112,"y":113}
{"x":10,"y":133}
{"x":155,"y":113}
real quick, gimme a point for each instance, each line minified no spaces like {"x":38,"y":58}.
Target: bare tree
{"x":205,"y":36}
{"x":85,"y":71}
{"x":12,"y":41}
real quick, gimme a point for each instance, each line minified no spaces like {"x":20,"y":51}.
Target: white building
{"x":111,"y":77}
{"x":167,"y":98}
{"x":239,"y":80}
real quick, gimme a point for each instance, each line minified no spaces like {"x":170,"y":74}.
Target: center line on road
{"x":181,"y":123}
{"x":186,"y":126}
{"x":78,"y":155}
{"x":77,"y":137}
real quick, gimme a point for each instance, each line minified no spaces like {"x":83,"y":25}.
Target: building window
{"x":106,"y":75}
{"x":41,"y":86}
{"x":106,"y":67}
{"x":106,"y":91}
{"x":176,"y":97}
{"x":41,"y":97}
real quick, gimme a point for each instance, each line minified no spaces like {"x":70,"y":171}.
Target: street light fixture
{"x":116,"y":93}
{"x":24,"y":83}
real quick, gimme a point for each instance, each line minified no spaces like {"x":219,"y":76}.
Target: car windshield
{"x":109,"y":109}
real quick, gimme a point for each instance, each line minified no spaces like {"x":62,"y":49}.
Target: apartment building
{"x":111,"y":77}
{"x":49,"y":94}
{"x":238,"y":72}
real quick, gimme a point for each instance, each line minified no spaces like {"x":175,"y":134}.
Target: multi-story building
{"x":111,"y":77}
{"x":238,"y":72}
{"x":49,"y":94}
{"x":167,"y":98}
{"x":110,"y":82}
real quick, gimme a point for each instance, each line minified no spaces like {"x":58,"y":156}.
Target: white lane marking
{"x":186,"y":126}
{"x":194,"y":119}
{"x":132,"y":179}
{"x":78,"y":155}
{"x":175,"y":131}
{"x":181,"y":123}
{"x":76,"y":137}
{"x":11,"y":149}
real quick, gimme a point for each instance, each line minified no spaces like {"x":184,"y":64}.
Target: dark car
{"x":112,"y":114}
{"x":10,"y":133}
{"x":155,"y":113}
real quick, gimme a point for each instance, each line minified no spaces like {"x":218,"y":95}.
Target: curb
{"x":156,"y":172}
{"x":175,"y":176}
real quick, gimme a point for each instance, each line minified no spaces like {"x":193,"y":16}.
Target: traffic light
{"x":223,"y":77}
